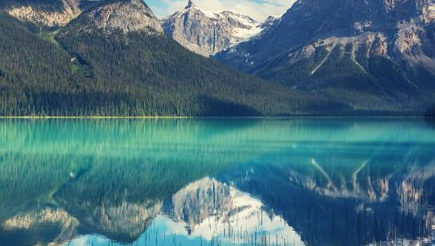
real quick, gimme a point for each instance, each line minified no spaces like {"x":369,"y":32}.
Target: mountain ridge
{"x":385,"y":48}
{"x":93,"y":68}
{"x":207,"y":33}
{"x":335,"y":65}
{"x":118,"y":15}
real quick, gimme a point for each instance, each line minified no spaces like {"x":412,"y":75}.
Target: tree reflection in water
{"x":217,"y":182}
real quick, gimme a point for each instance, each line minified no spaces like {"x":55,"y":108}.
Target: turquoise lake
{"x":217,"y":182}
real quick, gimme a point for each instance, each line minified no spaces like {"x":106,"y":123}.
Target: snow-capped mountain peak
{"x":208,"y":33}
{"x":190,"y":4}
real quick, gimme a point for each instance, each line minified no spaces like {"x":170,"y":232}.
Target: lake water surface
{"x":217,"y":182}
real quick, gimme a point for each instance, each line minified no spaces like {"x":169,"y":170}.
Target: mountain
{"x":35,"y":223}
{"x":113,"y":59}
{"x":211,"y":209}
{"x":371,"y":55}
{"x":208,"y":33}
{"x":115,"y":16}
{"x":345,"y":190}
{"x":44,"y":13}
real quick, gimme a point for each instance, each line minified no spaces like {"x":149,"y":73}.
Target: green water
{"x":217,"y":182}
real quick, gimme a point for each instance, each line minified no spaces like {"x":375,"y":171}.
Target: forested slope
{"x":80,"y":73}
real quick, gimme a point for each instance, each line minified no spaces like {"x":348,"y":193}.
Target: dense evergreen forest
{"x":75,"y":73}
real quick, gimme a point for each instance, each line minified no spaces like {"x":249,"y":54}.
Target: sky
{"x":257,"y":9}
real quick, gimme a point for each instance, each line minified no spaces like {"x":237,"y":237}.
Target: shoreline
{"x":219,"y":117}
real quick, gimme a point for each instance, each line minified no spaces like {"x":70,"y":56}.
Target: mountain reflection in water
{"x":217,"y":182}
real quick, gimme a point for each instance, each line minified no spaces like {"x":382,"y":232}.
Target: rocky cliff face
{"x":45,"y":13}
{"x":122,"y":15}
{"x":405,"y":23}
{"x":209,"y":33}
{"x":108,"y":15}
{"x":384,"y":48}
